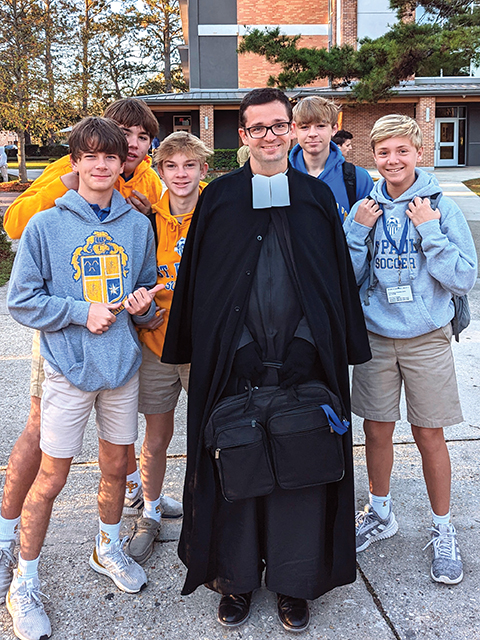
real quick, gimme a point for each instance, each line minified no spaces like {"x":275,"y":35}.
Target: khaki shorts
{"x":65,"y":411}
{"x":425,"y":365}
{"x":160,"y":383}
{"x":37,"y":375}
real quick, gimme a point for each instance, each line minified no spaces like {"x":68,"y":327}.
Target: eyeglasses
{"x":278,"y":129}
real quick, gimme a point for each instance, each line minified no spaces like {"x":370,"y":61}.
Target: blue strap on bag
{"x":338,"y":426}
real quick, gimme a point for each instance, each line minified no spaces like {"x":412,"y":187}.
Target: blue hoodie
{"x":67,"y":259}
{"x":439,"y":259}
{"x":333,"y":176}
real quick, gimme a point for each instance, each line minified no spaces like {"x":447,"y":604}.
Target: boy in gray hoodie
{"x":422,"y":253}
{"x":80,"y":277}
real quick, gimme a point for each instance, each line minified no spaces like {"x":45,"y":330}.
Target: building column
{"x":425,"y":116}
{"x":349,"y":22}
{"x":206,"y":125}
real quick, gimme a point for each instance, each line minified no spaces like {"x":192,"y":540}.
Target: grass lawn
{"x":474,"y":185}
{"x":31,"y":164}
{"x":6,"y":258}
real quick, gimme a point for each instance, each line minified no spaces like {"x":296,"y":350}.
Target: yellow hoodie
{"x":171,"y":239}
{"x":41,"y":195}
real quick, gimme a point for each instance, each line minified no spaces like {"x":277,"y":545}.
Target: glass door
{"x":446,"y":146}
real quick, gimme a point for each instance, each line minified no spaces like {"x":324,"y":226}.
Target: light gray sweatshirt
{"x":68,"y":259}
{"x":438,"y":260}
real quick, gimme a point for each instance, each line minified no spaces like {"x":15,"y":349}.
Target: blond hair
{"x":315,"y":109}
{"x":182,"y":142}
{"x":396,"y":125}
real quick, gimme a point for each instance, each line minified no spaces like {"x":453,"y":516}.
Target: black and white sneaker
{"x":369,"y":527}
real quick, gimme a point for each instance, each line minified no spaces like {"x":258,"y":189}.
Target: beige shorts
{"x":426,"y":367}
{"x":37,"y":375}
{"x":160,"y":383}
{"x":65,"y":411}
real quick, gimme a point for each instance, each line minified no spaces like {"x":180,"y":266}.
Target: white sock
{"x":27,"y":568}
{"x":151,"y":509}
{"x":134,"y":482}
{"x":381,"y":504}
{"x":109,"y":533}
{"x":440,"y":519}
{"x":8,"y":529}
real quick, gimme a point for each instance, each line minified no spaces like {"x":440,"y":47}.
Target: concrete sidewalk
{"x":393,"y":597}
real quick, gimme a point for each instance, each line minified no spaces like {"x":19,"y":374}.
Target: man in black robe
{"x":265,"y":276}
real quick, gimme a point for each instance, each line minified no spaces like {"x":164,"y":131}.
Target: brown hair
{"x":132,"y":112}
{"x":314,"y":109}
{"x":263,"y":96}
{"x":182,"y":142}
{"x":94,"y":134}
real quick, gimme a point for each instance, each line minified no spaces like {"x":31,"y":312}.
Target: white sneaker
{"x":112,"y":561}
{"x":447,"y":566}
{"x":369,"y":527}
{"x":134,"y":506}
{"x":7,"y":565}
{"x":170,"y":508}
{"x":30,"y":622}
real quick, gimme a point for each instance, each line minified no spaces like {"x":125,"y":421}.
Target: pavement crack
{"x":378,"y":603}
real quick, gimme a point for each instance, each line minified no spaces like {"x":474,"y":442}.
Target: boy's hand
{"x":420,"y":211}
{"x":156,"y":321}
{"x":138,"y":302}
{"x":70,"y":180}
{"x":368,"y":212}
{"x":140,"y":202}
{"x":100,"y":316}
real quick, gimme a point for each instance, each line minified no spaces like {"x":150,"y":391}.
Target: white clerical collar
{"x":270,"y":191}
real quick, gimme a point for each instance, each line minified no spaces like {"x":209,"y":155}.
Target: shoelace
{"x":6,"y":557}
{"x":30,"y":598}
{"x":363,"y":517}
{"x":443,"y":543}
{"x":117,"y":555}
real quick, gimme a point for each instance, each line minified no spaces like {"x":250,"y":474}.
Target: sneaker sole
{"x":386,"y":533}
{"x":16,"y":631}
{"x":446,"y":579}
{"x":99,"y":569}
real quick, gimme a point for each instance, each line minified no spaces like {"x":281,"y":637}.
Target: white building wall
{"x":374,"y":18}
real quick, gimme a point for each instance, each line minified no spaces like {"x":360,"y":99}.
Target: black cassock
{"x":305,"y":536}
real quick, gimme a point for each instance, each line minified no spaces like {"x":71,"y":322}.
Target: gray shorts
{"x":424,"y":364}
{"x":160,"y":383}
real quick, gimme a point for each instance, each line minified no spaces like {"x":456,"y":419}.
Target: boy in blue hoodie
{"x":314,"y":125}
{"x":80,"y":277}
{"x":422,"y":254}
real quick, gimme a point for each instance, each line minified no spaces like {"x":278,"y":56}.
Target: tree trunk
{"x":167,"y":52}
{"x":49,"y":71}
{"x":22,"y":167}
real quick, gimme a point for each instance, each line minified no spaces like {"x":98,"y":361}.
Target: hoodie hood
{"x":76,"y":204}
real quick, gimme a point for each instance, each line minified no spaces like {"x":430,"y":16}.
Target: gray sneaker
{"x":140,"y":545}
{"x":369,"y":527}
{"x":7,"y":565}
{"x":112,"y":561}
{"x":30,"y":622}
{"x":447,"y":566}
{"x":170,"y":508}
{"x":134,"y":506}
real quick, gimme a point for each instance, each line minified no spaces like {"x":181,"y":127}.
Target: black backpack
{"x":350,"y":180}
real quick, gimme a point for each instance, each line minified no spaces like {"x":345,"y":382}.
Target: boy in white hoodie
{"x":422,"y":253}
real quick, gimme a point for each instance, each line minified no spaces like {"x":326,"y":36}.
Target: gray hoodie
{"x":438,"y":259}
{"x":67,"y":259}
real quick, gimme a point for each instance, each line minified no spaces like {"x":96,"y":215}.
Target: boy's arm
{"x":447,"y":244}
{"x":28,"y":300}
{"x":41,"y":195}
{"x":357,"y":227}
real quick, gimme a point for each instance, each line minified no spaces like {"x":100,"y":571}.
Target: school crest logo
{"x":179,"y":247}
{"x":393,"y":225}
{"x":102,"y":265}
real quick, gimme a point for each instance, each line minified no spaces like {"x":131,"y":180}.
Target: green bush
{"x":223,"y":160}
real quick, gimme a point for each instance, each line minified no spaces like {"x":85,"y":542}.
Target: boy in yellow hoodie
{"x":142,"y":188}
{"x":181,"y":161}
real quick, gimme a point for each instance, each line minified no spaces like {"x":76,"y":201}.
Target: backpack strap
{"x":350,"y":180}
{"x":153,"y":221}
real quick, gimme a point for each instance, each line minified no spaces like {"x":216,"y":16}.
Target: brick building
{"x":447,"y":109}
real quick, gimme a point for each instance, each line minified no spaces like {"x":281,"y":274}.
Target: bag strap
{"x":350,"y":180}
{"x":339,"y":426}
{"x":153,"y":221}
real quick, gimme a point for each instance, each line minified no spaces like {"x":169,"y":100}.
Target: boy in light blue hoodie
{"x":81,"y":277}
{"x":422,"y":253}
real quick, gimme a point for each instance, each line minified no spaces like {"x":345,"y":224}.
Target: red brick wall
{"x":360,"y":119}
{"x":428,"y":129}
{"x":206,"y":135}
{"x":349,"y":23}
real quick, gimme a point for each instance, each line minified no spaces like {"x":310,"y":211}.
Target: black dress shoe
{"x":234,"y":609}
{"x":293,"y":613}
